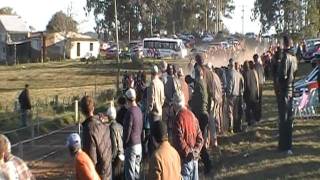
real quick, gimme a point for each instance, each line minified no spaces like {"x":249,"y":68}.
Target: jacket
{"x":165,"y":163}
{"x":120,"y":114}
{"x":97,"y":144}
{"x":250,"y":93}
{"x":170,"y":87}
{"x":156,"y":97}
{"x":132,"y":127}
{"x":116,"y":132}
{"x":199,"y":100}
{"x":187,"y":134}
{"x":85,"y":169}
{"x":185,"y":90}
{"x":287,"y":70}
{"x":235,"y":83}
{"x":24,"y":100}
{"x":260,"y":72}
{"x":218,"y":93}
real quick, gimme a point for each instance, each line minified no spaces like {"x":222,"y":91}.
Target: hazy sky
{"x":37,"y":13}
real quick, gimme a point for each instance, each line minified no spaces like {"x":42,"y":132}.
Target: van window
{"x":91,"y":46}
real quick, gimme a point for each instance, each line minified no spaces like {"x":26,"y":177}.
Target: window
{"x":78,"y":49}
{"x":91,"y":46}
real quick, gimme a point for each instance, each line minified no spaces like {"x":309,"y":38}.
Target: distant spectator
{"x":84,"y":166}
{"x":12,"y":166}
{"x":132,"y":131}
{"x":116,"y":132}
{"x":122,"y":109}
{"x":260,"y":72}
{"x":96,"y":139}
{"x":25,"y":106}
{"x":165,"y":162}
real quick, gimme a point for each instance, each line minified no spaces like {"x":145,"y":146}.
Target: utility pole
{"x":117,"y":40}
{"x":206,"y":15}
{"x":151,"y":26}
{"x":242,"y":18}
{"x":129,"y":31}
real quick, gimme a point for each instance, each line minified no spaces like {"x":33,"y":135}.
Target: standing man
{"x":250,"y":93}
{"x":199,"y":106}
{"x":84,"y":166}
{"x":25,"y":106}
{"x":96,"y":139}
{"x":260,"y":72}
{"x":184,"y":86}
{"x":234,"y":91}
{"x":288,"y":67}
{"x":132,"y":131}
{"x":165,"y":162}
{"x":187,"y":138}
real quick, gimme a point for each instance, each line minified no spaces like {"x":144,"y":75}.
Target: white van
{"x":164,"y":47}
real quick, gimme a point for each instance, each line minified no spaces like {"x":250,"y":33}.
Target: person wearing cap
{"x":132,"y":131}
{"x":96,"y":139}
{"x":187,"y":138}
{"x":260,"y":72}
{"x":234,"y":91}
{"x":116,"y":133}
{"x":156,"y":96}
{"x":25,"y":106}
{"x":12,"y":167}
{"x":84,"y":166}
{"x":165,"y":162}
{"x":287,"y":70}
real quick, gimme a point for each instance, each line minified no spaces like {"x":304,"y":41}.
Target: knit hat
{"x":74,"y":141}
{"x":131,"y":94}
{"x":154,"y":69}
{"x":112,"y":112}
{"x":178,"y":99}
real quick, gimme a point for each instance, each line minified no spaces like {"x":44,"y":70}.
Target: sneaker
{"x":289,"y":152}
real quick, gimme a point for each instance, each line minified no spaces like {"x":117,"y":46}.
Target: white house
{"x":74,"y":45}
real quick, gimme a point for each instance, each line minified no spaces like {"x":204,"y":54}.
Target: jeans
{"x":25,"y":117}
{"x":189,"y":170}
{"x":133,"y":157}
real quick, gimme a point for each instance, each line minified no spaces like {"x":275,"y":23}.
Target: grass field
{"x":249,"y":155}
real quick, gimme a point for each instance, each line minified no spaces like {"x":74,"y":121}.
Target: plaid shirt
{"x":20,"y":168}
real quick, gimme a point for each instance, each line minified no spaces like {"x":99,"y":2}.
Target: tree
{"x":7,"y":11}
{"x":61,"y":22}
{"x":295,"y":17}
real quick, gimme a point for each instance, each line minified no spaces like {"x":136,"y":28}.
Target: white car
{"x":207,"y":38}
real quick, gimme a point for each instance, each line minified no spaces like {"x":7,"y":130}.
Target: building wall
{"x":84,"y":49}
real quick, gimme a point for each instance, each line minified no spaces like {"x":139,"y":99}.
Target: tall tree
{"x":61,"y":22}
{"x":7,"y":11}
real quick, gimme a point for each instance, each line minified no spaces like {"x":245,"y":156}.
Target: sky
{"x":37,"y":13}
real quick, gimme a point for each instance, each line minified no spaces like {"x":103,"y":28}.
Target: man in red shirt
{"x":84,"y":167}
{"x":187,"y":138}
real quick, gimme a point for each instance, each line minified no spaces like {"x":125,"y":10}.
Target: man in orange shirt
{"x":84,"y":166}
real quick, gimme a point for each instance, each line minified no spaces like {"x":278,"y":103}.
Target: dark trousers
{"x":251,"y":112}
{"x":203,"y":118}
{"x":285,"y":124}
{"x":259,"y":107}
{"x":148,"y":143}
{"x":238,"y":114}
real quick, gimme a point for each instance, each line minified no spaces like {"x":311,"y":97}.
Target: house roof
{"x":13,"y":23}
{"x":53,"y":38}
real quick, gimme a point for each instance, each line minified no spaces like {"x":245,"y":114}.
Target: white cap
{"x":112,"y":113}
{"x":131,"y":94}
{"x":154,"y":69}
{"x":180,"y":72}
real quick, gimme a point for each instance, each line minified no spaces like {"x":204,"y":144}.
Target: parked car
{"x":207,"y":38}
{"x":303,"y":84}
{"x":312,"y":51}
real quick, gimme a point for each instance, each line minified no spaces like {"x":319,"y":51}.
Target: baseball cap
{"x":74,"y":140}
{"x":131,"y":94}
